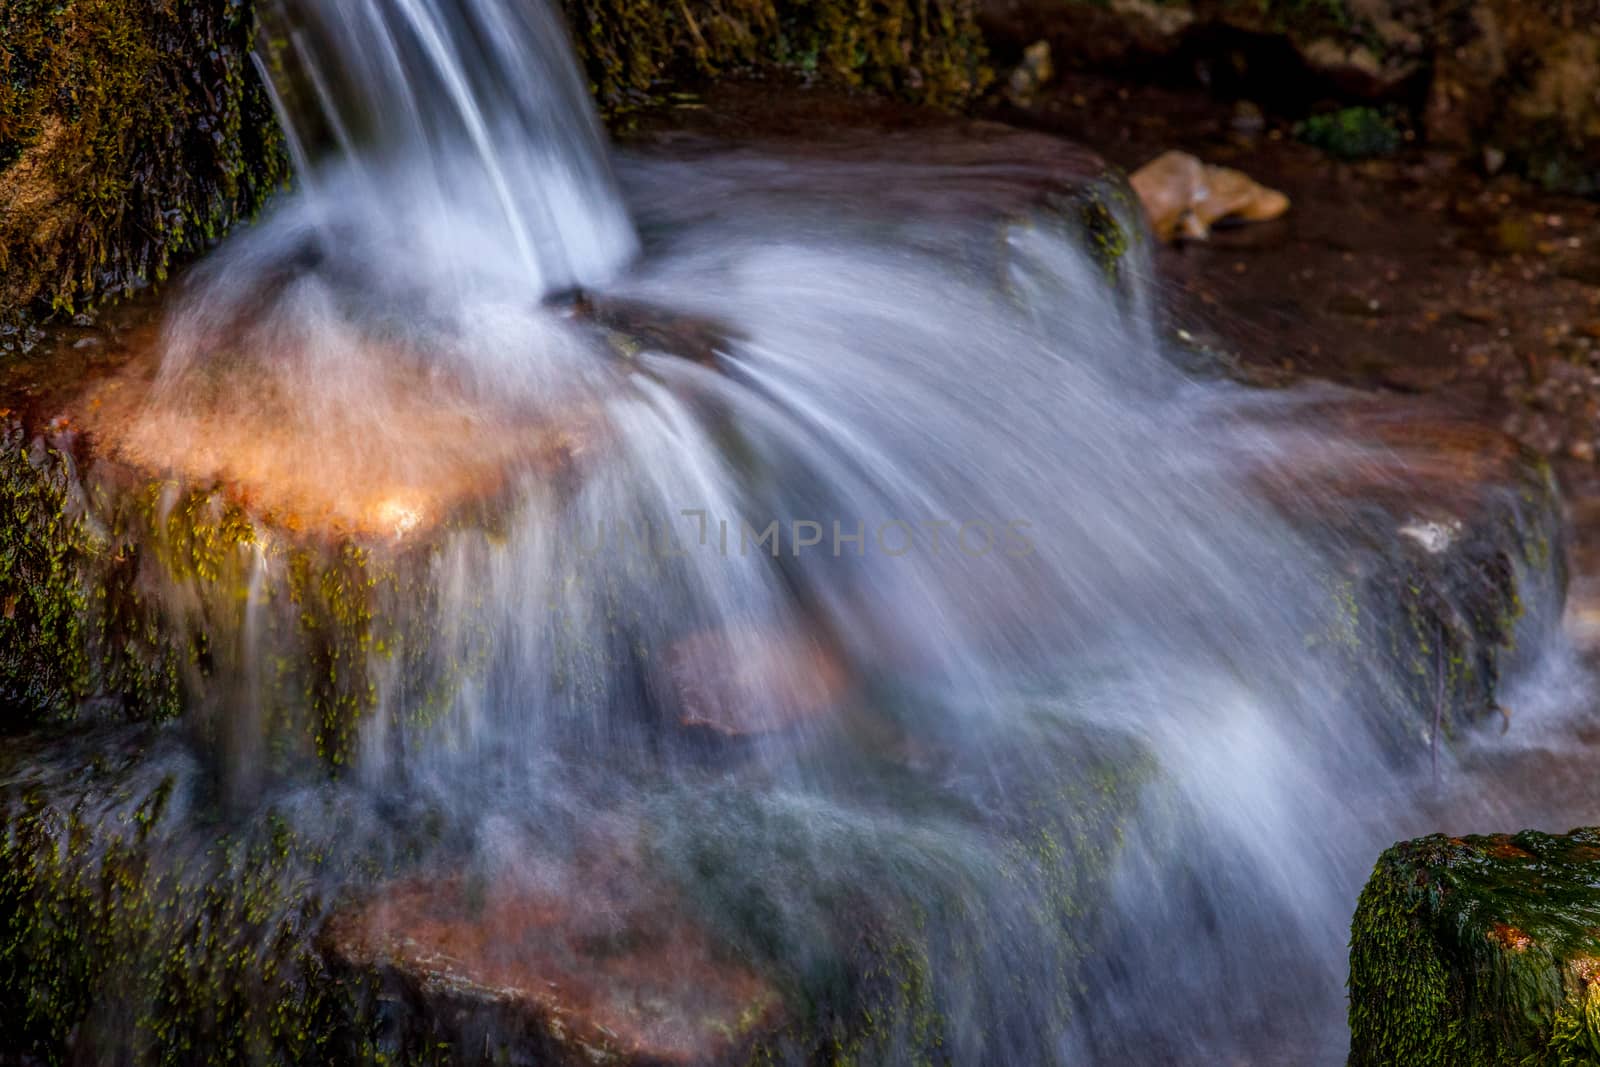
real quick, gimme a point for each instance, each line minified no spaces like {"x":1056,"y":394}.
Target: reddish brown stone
{"x":742,"y":684}
{"x":607,"y":972}
{"x":404,"y":450}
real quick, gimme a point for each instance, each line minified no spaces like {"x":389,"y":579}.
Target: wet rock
{"x":1478,"y":950}
{"x":1454,"y":562}
{"x":1183,"y":197}
{"x":603,"y":972}
{"x":132,"y":933}
{"x":747,"y":683}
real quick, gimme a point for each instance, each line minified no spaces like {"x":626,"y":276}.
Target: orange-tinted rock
{"x":1184,"y":197}
{"x":1404,"y":457}
{"x":602,"y":972}
{"x":402,"y":451}
{"x":756,"y":682}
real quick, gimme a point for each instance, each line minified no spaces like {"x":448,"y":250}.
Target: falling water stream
{"x":913,"y":599}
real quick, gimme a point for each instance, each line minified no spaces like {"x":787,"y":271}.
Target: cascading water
{"x":895,"y":600}
{"x":454,"y":133}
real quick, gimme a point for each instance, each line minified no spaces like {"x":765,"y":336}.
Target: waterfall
{"x":872,"y":575}
{"x":461,"y":132}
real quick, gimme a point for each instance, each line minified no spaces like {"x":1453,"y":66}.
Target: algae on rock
{"x":131,"y":133}
{"x":929,"y":52}
{"x":1479,"y":951}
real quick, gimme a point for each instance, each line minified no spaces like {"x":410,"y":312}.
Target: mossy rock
{"x":131,"y":134}
{"x":884,"y":923}
{"x":930,"y":53}
{"x":146,"y":919}
{"x":1449,"y":549}
{"x":1479,"y":951}
{"x":125,"y":597}
{"x":1352,"y":133}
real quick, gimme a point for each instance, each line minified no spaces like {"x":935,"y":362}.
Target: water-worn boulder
{"x":1479,"y":950}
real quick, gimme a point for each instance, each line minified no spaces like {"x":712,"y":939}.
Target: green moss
{"x":1353,"y":133}
{"x":108,"y":932}
{"x":1400,"y":990}
{"x":929,"y":51}
{"x":1575,"y":1037}
{"x":1107,"y":217}
{"x":1478,"y":951}
{"x":134,"y":597}
{"x":44,"y":641}
{"x":131,"y":133}
{"x":1432,"y":635}
{"x":879,"y":931}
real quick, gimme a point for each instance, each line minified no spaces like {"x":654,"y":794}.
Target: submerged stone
{"x":602,"y":971}
{"x":1479,"y":950}
{"x":742,"y":684}
{"x":1450,"y":560}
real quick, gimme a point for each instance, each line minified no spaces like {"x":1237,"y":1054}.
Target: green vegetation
{"x":929,"y":51}
{"x":918,"y":898}
{"x":1353,"y":133}
{"x":129,"y":598}
{"x":44,"y":667}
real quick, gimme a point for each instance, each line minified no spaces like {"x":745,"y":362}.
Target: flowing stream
{"x":893,"y":585}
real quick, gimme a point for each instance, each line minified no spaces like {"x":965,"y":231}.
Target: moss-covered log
{"x":1479,"y":951}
